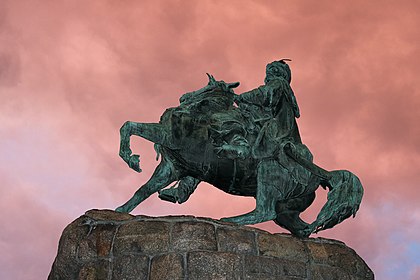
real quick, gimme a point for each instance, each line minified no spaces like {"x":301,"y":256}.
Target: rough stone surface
{"x":193,"y":235}
{"x":129,"y":267}
{"x":169,"y":266}
{"x":213,"y":265}
{"x":142,"y":237}
{"x":244,"y":241}
{"x":282,"y":246}
{"x":103,"y":244}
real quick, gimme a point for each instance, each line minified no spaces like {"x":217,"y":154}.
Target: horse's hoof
{"x":227,"y":220}
{"x":302,"y":233}
{"x":306,"y":232}
{"x":121,"y":210}
{"x":170,"y":195}
{"x":134,"y":163}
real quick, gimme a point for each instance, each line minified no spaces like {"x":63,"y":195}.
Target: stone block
{"x":266,"y":267}
{"x":189,"y":236}
{"x":66,"y":265}
{"x":108,"y":215}
{"x":96,"y":270}
{"x":281,"y":246}
{"x":142,"y":237}
{"x":325,"y":272}
{"x":232,"y":240}
{"x":97,"y":243}
{"x":130,"y":267}
{"x":213,"y":265}
{"x":167,"y":267}
{"x":337,"y":254}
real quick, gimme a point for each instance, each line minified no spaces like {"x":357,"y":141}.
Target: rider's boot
{"x":181,"y":191}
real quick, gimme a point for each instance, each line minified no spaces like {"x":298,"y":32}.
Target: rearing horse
{"x":283,"y":185}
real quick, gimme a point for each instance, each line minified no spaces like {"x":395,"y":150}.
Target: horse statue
{"x":207,"y":138}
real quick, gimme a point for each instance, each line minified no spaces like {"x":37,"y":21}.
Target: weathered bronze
{"x":246,"y":145}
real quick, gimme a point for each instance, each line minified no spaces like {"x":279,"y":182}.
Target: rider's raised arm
{"x":255,"y":96}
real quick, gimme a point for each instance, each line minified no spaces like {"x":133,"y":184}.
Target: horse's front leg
{"x":154,"y":132}
{"x":164,"y":175}
{"x":126,"y":131}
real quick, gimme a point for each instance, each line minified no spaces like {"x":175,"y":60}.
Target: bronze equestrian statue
{"x":247,"y":145}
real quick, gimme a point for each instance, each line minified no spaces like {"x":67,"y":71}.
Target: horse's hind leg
{"x":270,"y":173}
{"x":289,"y":211}
{"x":164,"y":175}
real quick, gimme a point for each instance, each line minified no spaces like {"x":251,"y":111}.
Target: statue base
{"x":103,"y":244}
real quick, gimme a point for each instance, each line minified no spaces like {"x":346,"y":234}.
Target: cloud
{"x":72,"y":73}
{"x":415,"y":273}
{"x":31,"y":232}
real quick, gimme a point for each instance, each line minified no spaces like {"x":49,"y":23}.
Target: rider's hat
{"x":283,"y":68}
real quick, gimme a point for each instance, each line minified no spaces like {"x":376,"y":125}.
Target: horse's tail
{"x":344,"y":198}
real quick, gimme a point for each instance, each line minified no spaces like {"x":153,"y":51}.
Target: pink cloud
{"x":71,"y":73}
{"x":30,"y":235}
{"x":415,"y":274}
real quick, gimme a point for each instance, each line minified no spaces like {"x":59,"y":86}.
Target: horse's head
{"x":222,"y":84}
{"x":213,"y":88}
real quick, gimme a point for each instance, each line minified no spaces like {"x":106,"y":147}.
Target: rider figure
{"x":270,"y":111}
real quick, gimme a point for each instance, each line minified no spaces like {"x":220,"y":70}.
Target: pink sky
{"x":72,"y":72}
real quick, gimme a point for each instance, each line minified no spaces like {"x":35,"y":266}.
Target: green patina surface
{"x":248,"y":145}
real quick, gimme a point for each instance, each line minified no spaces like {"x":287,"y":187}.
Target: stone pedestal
{"x":103,"y":244}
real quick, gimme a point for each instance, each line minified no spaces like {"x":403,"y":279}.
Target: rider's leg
{"x":164,"y":175}
{"x":234,"y":143}
{"x":270,"y":173}
{"x":237,"y":147}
